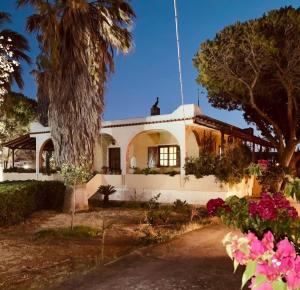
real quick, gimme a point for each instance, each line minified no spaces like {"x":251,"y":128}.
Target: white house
{"x":128,"y":148}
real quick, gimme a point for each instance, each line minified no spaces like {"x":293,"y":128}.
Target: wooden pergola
{"x":25,"y":142}
{"x":243,"y":134}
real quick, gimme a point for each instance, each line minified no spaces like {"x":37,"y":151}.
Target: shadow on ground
{"x":196,"y":260}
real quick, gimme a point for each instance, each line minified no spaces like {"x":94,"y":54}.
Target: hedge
{"x":19,"y":199}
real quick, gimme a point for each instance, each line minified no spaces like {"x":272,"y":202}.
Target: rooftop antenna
{"x":198,"y":98}
{"x":179,"y":58}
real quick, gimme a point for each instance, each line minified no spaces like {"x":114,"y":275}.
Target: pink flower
{"x":292,"y":212}
{"x":257,"y":249}
{"x":266,"y":208}
{"x":268,"y":241}
{"x":251,"y":237}
{"x":293,"y":276}
{"x":271,"y":271}
{"x":241,"y":257}
{"x":253,"y":208}
{"x":214,"y":204}
{"x":286,"y":264}
{"x":285,"y":249}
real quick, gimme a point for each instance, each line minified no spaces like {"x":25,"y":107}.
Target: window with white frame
{"x":168,"y":156}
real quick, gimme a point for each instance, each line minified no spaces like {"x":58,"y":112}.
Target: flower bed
{"x":272,"y":212}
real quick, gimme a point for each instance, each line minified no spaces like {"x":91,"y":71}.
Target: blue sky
{"x":151,"y":69}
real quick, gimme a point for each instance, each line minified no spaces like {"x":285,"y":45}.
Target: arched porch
{"x":153,"y":150}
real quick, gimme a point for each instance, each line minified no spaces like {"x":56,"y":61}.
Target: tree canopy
{"x":13,"y":50}
{"x":254,"y":67}
{"x":17,"y":112}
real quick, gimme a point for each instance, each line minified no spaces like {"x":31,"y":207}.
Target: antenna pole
{"x":179,"y":57}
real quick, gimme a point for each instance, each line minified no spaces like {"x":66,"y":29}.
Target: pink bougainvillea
{"x":270,"y":206}
{"x":214,"y":204}
{"x":279,"y":264}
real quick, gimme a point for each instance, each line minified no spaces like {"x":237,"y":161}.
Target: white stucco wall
{"x":191,"y":189}
{"x":11,"y":176}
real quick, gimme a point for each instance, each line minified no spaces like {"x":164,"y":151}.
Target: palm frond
{"x":4,"y":18}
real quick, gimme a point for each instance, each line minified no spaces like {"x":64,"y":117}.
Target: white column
{"x":37,"y":157}
{"x":123,"y":148}
{"x":182,"y":157}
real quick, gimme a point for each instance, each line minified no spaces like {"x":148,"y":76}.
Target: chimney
{"x":155,"y":110}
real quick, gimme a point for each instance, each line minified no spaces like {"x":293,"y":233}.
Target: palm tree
{"x":18,"y":46}
{"x":106,"y":190}
{"x":78,"y":39}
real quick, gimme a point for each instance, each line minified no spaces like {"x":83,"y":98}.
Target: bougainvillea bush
{"x":268,"y":265}
{"x":272,"y":212}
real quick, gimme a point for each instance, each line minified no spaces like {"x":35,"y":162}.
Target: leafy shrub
{"x":150,"y":235}
{"x":181,"y":206}
{"x":19,"y":199}
{"x":201,"y":166}
{"x":18,"y":170}
{"x":145,"y":171}
{"x":76,"y":174}
{"x":158,"y":216}
{"x":153,"y":202}
{"x":271,"y":212}
{"x":254,"y":169}
{"x":229,"y":168}
{"x":172,"y":173}
{"x":271,"y":177}
{"x":292,"y":187}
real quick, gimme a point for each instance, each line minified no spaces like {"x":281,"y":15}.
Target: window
{"x":169,"y":156}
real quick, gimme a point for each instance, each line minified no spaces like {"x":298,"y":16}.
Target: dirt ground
{"x":196,"y":260}
{"x":30,"y":263}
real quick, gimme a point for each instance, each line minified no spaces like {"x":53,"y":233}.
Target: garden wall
{"x":191,"y":189}
{"x":12,"y":176}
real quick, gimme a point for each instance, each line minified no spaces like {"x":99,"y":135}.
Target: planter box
{"x":81,"y":200}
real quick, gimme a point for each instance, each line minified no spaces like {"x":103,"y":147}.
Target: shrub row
{"x":19,"y":199}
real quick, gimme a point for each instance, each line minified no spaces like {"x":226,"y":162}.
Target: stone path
{"x":193,"y":261}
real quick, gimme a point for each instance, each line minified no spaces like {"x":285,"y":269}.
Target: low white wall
{"x":14,"y":176}
{"x":101,"y":179}
{"x":143,"y":187}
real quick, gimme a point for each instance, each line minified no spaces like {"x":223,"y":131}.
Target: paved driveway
{"x":196,"y":260}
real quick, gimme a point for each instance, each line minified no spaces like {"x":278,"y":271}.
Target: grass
{"x":77,"y":232}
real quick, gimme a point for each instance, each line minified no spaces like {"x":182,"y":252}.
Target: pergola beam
{"x":230,"y":130}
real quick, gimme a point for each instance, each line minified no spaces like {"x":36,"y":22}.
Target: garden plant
{"x":270,"y":244}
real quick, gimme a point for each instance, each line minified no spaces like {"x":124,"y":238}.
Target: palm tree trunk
{"x":73,"y":207}
{"x":74,"y":119}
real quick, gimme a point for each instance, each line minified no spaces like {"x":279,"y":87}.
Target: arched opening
{"x":108,"y":155}
{"x":46,"y":159}
{"x":155,"y":151}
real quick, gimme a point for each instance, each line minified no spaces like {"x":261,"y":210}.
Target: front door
{"x":114,"y":159}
